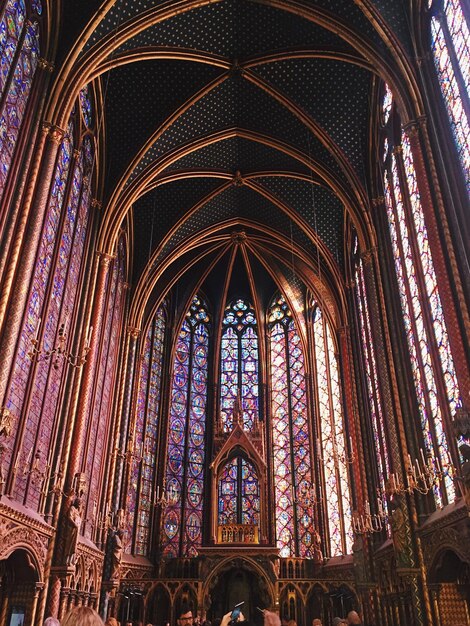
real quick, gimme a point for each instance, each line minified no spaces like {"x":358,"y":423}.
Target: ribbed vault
{"x":225,"y":117}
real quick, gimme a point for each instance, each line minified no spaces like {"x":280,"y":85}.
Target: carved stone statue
{"x":116,"y":552}
{"x":73,"y":521}
{"x":397,"y":523}
{"x":6,"y":423}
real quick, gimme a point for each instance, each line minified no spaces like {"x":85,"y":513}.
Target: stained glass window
{"x":239,"y":364}
{"x":372,"y":381}
{"x":19,"y":53}
{"x":450,"y":41}
{"x":291,"y":435}
{"x":423,"y":317}
{"x":238,"y":493}
{"x":182,"y":519}
{"x":142,"y":484}
{"x":105,"y":381}
{"x":32,"y":324}
{"x":331,"y":445}
{"x":35,"y":388}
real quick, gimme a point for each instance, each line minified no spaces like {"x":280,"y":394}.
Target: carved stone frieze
{"x":14,"y":536}
{"x":452,"y":538}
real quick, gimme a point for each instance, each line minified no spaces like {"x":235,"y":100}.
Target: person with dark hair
{"x":184,"y":616}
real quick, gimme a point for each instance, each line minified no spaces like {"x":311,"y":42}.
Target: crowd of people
{"x":86,"y":616}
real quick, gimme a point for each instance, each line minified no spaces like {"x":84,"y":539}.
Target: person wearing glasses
{"x":185,"y":615}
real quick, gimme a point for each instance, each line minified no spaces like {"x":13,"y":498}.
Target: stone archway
{"x":238,"y":580}
{"x":20,"y":588}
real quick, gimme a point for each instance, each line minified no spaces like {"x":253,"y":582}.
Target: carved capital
{"x":96,"y":204}
{"x":133,"y":332}
{"x":412,"y":130}
{"x":43,"y":64}
{"x":368,"y":255}
{"x":56,"y":134}
{"x":378,"y":202}
{"x":105,"y":258}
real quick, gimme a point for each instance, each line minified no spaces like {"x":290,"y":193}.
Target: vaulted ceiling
{"x":225,"y":117}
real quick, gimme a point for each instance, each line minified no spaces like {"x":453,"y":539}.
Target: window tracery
{"x":426,"y":331}
{"x":331,"y":445}
{"x":35,"y":388}
{"x":139,"y":498}
{"x":291,"y":434}
{"x":19,"y":54}
{"x":450,"y":44}
{"x":238,"y":492}
{"x":182,"y":518}
{"x":239,"y":364}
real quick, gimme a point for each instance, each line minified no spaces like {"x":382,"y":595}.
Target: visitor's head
{"x":111,"y":621}
{"x":82,"y":616}
{"x":353,"y":618}
{"x":316,"y":622}
{"x":51,"y":621}
{"x":184,"y":616}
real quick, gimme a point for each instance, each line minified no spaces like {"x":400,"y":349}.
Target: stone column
{"x":406,"y":556}
{"x":38,"y":587}
{"x":127,"y":382}
{"x":104,"y":261}
{"x":25,"y":248}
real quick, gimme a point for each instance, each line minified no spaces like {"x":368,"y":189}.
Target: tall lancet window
{"x":426,"y":332}
{"x":19,"y":53}
{"x":450,"y":42}
{"x":374,"y":397}
{"x":139,"y":497}
{"x":239,"y":493}
{"x":291,"y":434}
{"x":331,"y":445}
{"x":182,"y":519}
{"x":36,"y":386}
{"x":239,"y":364}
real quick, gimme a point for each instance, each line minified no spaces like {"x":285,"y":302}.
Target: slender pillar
{"x":20,"y":186}
{"x":54,"y":597}
{"x":88,"y":375}
{"x":128,"y":377}
{"x":406,"y":557}
{"x":26,"y":248}
{"x":38,"y":587}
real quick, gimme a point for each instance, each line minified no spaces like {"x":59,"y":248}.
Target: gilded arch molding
{"x":77,"y":70}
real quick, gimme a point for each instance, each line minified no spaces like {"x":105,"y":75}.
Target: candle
{"x":422,"y":457}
